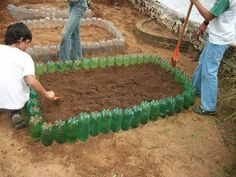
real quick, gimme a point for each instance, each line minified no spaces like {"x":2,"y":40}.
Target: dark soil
{"x":94,"y":90}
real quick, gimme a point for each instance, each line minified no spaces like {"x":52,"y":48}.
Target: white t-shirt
{"x":14,"y":65}
{"x":222,"y":29}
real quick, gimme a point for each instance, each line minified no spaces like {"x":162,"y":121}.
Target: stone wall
{"x":172,"y":22}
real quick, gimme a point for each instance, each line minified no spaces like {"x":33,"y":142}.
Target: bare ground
{"x":182,"y":145}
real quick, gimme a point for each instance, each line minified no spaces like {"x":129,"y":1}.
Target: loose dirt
{"x":182,"y":145}
{"x":94,"y":90}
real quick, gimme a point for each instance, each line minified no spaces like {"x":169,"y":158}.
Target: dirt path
{"x":182,"y":145}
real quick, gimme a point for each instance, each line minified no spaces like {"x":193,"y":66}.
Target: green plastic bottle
{"x":153,"y":59}
{"x":94,"y":123}
{"x":179,"y":106}
{"x":177,"y":76}
{"x":156,"y":60}
{"x":133,"y":59}
{"x":170,"y":101}
{"x":33,"y":94}
{"x":165,"y":65}
{"x":126,"y":61}
{"x":119,"y":60}
{"x":139,"y":59}
{"x":51,"y":67}
{"x":145,"y":112}
{"x":71,"y":130}
{"x":84,"y":124}
{"x":34,"y":110}
{"x":103,"y":63}
{"x":46,"y":134}
{"x":59,"y":131}
{"x":60,"y":66}
{"x":110,"y":61}
{"x":163,"y":108}
{"x":193,"y":93}
{"x":146,"y":58}
{"x":85,"y":63}
{"x":35,"y":127}
{"x":94,"y":63}
{"x":136,"y":118}
{"x":106,"y":116}
{"x":128,"y":115}
{"x":77,"y":65}
{"x":116,"y":119}
{"x":39,"y":69}
{"x":154,"y":110}
{"x":187,"y":97}
{"x":32,"y":103}
{"x":68,"y":65}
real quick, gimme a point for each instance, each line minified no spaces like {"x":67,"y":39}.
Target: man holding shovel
{"x":221,"y":19}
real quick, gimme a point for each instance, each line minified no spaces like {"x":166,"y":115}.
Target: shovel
{"x":175,"y":56}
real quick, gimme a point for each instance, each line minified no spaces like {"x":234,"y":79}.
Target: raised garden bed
{"x":106,"y":95}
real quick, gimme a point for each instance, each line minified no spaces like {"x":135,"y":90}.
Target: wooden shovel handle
{"x":185,"y":22}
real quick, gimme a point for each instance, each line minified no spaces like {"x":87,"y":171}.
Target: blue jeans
{"x":205,"y":78}
{"x":70,"y":47}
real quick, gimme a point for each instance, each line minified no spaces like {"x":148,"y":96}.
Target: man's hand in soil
{"x":50,"y":95}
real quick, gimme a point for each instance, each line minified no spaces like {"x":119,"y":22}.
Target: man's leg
{"x":76,"y":48}
{"x":196,"y":78}
{"x":209,"y":84}
{"x":70,"y":26}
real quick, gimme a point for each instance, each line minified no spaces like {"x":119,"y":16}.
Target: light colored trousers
{"x":205,"y":78}
{"x":70,"y":47}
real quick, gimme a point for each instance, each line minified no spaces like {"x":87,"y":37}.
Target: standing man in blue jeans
{"x":70,"y":47}
{"x":221,"y":19}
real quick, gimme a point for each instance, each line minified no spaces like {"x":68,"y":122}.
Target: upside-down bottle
{"x":127,"y":117}
{"x":35,"y":127}
{"x":94,"y":123}
{"x":59,"y":131}
{"x":71,"y":130}
{"x":116,"y":119}
{"x":46,"y":134}
{"x":105,"y":121}
{"x":84,"y":124}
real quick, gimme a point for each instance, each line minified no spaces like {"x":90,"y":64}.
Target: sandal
{"x":20,"y":125}
{"x":201,"y":111}
{"x":16,"y":118}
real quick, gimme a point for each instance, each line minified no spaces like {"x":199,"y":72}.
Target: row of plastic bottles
{"x":93,"y":63}
{"x":49,"y":22}
{"x":91,"y":124}
{"x":23,"y":13}
{"x":48,"y":52}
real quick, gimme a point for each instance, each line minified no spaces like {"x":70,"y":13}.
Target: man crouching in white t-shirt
{"x":17,"y":73}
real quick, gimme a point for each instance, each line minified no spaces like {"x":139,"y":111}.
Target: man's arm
{"x":36,"y":85}
{"x":202,"y":10}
